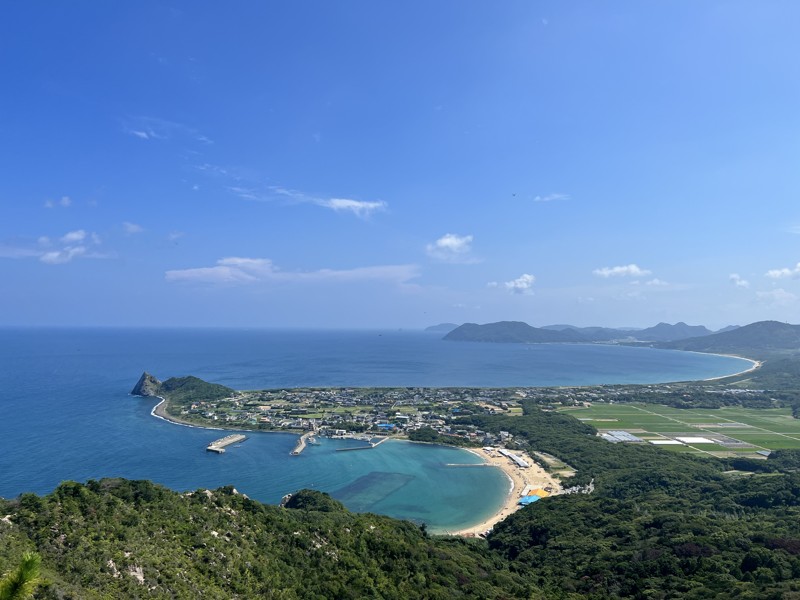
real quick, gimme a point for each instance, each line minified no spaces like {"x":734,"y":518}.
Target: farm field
{"x":719,"y":432}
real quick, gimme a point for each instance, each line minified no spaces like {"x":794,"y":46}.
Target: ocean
{"x":67,"y":413}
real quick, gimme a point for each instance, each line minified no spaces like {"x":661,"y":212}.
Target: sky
{"x":374,"y":164}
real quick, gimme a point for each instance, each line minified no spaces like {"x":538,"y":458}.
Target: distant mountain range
{"x":519,"y":332}
{"x":757,"y":339}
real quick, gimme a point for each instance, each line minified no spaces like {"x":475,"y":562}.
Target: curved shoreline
{"x":519,"y":479}
{"x":535,"y":476}
{"x":755,"y":364}
{"x":509,"y":505}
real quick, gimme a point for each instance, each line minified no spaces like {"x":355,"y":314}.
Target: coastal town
{"x":402,"y":411}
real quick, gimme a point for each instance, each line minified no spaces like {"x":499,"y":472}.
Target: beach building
{"x":525,"y":500}
{"x":518,"y":460}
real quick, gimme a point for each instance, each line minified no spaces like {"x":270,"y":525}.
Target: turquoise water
{"x":66,"y":412}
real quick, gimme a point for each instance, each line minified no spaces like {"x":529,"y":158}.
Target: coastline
{"x":520,"y":478}
{"x":755,"y":364}
{"x":159,"y":412}
{"x":534,"y":476}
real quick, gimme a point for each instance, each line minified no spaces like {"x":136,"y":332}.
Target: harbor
{"x":219,"y":445}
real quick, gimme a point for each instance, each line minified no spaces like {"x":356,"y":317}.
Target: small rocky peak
{"x":147,"y":386}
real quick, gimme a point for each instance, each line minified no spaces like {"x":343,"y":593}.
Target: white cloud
{"x":451,"y":247}
{"x":73,"y":236}
{"x":736,"y":280}
{"x":631,"y":270}
{"x":778,"y":297}
{"x":175,"y":235}
{"x":71,"y":245}
{"x":132,"y":228}
{"x":521,"y":285}
{"x":656,"y":282}
{"x":152,"y":128}
{"x":64,"y":255}
{"x":252,"y":270}
{"x":784,"y":273}
{"x":64,"y":202}
{"x":551,"y":197}
{"x":359,"y":208}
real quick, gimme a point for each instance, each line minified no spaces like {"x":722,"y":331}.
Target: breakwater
{"x":301,"y":443}
{"x":219,"y":445}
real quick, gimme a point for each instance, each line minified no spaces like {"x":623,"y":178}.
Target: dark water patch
{"x":370,"y":489}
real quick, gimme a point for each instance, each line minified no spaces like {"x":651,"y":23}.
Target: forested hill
{"x":757,"y":340}
{"x":134,"y":539}
{"x":180,"y":389}
{"x":510,"y":332}
{"x":519,"y":332}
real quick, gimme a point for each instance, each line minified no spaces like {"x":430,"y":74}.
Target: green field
{"x":733,"y":431}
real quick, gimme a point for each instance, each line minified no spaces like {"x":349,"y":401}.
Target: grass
{"x":770,"y":429}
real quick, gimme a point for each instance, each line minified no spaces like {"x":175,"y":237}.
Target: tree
{"x":21,"y":582}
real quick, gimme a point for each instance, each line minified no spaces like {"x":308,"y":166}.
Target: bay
{"x":65,"y":412}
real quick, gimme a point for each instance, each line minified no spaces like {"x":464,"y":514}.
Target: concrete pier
{"x":219,"y":445}
{"x":301,"y":443}
{"x":370,"y":447}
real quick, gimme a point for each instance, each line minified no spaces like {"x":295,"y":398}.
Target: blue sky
{"x":376,"y":164}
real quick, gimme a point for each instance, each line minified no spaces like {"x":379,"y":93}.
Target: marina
{"x":219,"y":445}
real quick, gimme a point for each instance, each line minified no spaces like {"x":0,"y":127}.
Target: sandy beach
{"x":534,"y":476}
{"x":756,"y":364}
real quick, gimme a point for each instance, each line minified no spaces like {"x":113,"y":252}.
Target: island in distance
{"x":519,"y":332}
{"x":442,"y":327}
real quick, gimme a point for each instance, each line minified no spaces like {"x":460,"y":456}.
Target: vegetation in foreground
{"x":658,"y":525}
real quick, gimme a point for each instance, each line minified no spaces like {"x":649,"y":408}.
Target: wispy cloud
{"x":73,"y":244}
{"x":63,"y":255}
{"x":777,"y":297}
{"x":360,"y":208}
{"x":656,"y":282}
{"x":784,"y":273}
{"x":249,"y":186}
{"x":132,"y":228}
{"x":153,"y":128}
{"x":64,"y":202}
{"x":73,"y":237}
{"x":453,"y":248}
{"x":240,"y":270}
{"x":551,"y":197}
{"x":630,"y":270}
{"x":736,"y":280}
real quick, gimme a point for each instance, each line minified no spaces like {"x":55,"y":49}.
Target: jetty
{"x":219,"y":445}
{"x":301,"y":443}
{"x":369,"y":447}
